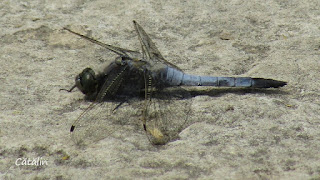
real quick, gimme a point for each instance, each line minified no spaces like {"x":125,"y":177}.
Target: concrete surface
{"x":237,"y":134}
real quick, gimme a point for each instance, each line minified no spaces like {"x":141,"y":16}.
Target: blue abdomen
{"x":175,"y":77}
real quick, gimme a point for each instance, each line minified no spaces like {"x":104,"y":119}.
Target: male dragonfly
{"x":152,"y":88}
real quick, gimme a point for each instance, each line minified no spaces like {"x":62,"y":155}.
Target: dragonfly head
{"x":86,"y":81}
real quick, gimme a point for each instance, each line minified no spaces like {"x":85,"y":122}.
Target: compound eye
{"x":86,"y":81}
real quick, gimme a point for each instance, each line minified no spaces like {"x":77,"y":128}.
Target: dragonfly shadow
{"x":180,"y":93}
{"x":238,"y":91}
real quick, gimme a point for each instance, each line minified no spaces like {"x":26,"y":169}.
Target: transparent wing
{"x":97,"y":122}
{"x":117,"y":50}
{"x":149,"y":50}
{"x":167,"y":112}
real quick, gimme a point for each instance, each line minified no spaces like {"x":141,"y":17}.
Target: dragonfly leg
{"x":118,"y":106}
{"x":68,"y":90}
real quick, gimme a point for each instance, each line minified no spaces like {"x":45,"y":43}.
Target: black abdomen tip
{"x":267,"y":83}
{"x":72,"y":128}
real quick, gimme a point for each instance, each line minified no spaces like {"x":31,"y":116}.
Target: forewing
{"x":120,"y":51}
{"x":97,"y":122}
{"x":99,"y":119}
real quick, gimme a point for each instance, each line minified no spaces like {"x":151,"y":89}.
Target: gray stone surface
{"x":271,"y":134}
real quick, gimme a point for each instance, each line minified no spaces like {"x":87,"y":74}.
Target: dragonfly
{"x":152,"y":88}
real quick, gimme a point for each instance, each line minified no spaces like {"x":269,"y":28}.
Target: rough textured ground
{"x":239,"y":134}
